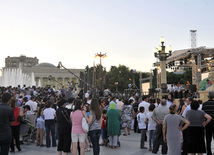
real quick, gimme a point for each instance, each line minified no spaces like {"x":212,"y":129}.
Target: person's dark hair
{"x":199,"y":101}
{"x":61,"y":102}
{"x":40,"y":110}
{"x":48,"y":104}
{"x":172,"y":109}
{"x":126,"y":102}
{"x":113,"y":98}
{"x":107,"y":102}
{"x":190,"y":99}
{"x":78,"y":105}
{"x":6,"y":97}
{"x":25,"y":99}
{"x":163,"y":102}
{"x":13,"y":103}
{"x":130,"y":101}
{"x":194,"y":105}
{"x":165,"y":97}
{"x":211,"y":95}
{"x":26,"y":107}
{"x":87,"y":107}
{"x":151,"y":107}
{"x":70,"y":100}
{"x":32,"y":97}
{"x":104,"y":111}
{"x":95,"y":108}
{"x":142,"y":109}
{"x":137,"y":98}
{"x":158,"y":100}
{"x":181,"y":101}
{"x":145,"y":97}
{"x":152,"y":100}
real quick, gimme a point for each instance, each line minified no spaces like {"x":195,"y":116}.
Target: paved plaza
{"x":130,"y":145}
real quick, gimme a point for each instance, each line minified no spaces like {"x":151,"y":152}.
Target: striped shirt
{"x":208,"y":107}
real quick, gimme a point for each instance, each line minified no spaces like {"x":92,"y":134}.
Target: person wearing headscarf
{"x":113,"y":127}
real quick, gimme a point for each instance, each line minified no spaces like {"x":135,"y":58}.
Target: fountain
{"x":14,"y":77}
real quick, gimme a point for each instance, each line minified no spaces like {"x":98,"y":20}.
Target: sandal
{"x":102,"y":144}
{"x":124,"y":134}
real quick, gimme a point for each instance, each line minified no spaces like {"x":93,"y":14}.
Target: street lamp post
{"x":101,"y":56}
{"x":162,"y":55}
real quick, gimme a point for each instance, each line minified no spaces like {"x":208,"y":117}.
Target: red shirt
{"x":16,"y":114}
{"x":104,"y":121}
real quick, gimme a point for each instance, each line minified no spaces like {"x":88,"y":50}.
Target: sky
{"x":73,"y":31}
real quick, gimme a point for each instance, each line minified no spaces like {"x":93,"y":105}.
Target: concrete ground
{"x":130,"y":145}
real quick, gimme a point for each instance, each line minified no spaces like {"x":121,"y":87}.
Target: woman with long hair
{"x":40,"y":126}
{"x":181,"y":107}
{"x":78,"y":135}
{"x":15,"y":128}
{"x":95,"y":120}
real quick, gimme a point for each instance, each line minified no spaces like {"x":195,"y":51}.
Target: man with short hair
{"x":6,"y":119}
{"x":145,"y":104}
{"x":158,"y":116}
{"x":208,"y":107}
{"x":31,"y":114}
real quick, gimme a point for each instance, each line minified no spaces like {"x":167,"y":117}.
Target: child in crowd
{"x":151,"y":126}
{"x":104,"y":129}
{"x":40,"y":126}
{"x":141,"y":118}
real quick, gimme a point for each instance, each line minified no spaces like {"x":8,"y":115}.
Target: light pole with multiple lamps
{"x":162,"y":55}
{"x":101,"y":56}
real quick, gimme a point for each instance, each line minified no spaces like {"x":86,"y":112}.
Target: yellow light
{"x":159,"y":48}
{"x":155,"y":50}
{"x":199,"y":69}
{"x":162,"y":39}
{"x":170,"y":48}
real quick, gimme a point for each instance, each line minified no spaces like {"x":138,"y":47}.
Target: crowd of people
{"x":178,"y":127}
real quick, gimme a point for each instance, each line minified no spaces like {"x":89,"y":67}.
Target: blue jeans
{"x":50,"y":128}
{"x":95,"y":137}
{"x":151,"y":138}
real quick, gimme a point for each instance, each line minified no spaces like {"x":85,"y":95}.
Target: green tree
{"x":124,"y":76}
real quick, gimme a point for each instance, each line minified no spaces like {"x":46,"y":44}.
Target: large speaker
{"x":193,"y":88}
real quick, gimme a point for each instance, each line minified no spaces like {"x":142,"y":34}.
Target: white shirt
{"x":33,"y":107}
{"x":151,"y":123}
{"x":141,"y":117}
{"x":49,"y":113}
{"x":185,"y":110}
{"x":145,"y":105}
{"x":86,"y":95}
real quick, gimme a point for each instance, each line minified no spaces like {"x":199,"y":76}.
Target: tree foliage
{"x":124,"y":76}
{"x":182,"y":78}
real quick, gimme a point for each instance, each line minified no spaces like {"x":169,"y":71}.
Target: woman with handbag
{"x":78,"y":134}
{"x":95,"y":120}
{"x":15,"y":128}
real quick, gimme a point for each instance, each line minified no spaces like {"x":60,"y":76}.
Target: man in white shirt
{"x":145,"y":104}
{"x":31,"y":114}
